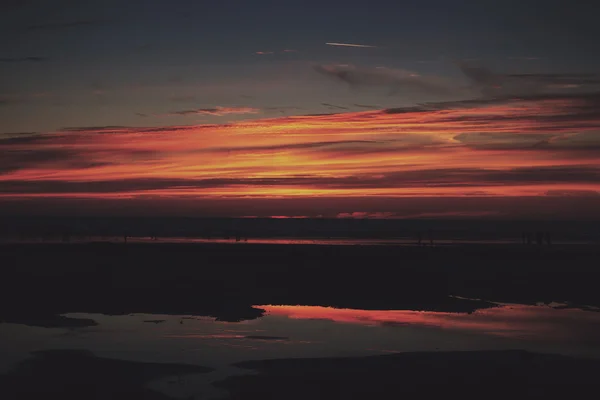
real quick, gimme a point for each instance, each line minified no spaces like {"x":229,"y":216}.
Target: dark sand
{"x":79,"y":375}
{"x":461,"y":375}
{"x":38,"y":281}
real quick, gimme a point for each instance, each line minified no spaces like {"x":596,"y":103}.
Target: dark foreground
{"x":70,"y":374}
{"x":77,"y":375}
{"x":464,"y":375}
{"x":40,"y":281}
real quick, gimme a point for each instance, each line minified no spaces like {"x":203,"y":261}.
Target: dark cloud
{"x":504,"y":141}
{"x":558,"y":79}
{"x":395,"y":81}
{"x":13,"y":160}
{"x":408,"y":110}
{"x":21,"y":59}
{"x":282,"y":109}
{"x":103,"y":129}
{"x":589,"y":100}
{"x":366,"y":106}
{"x":118,"y":129}
{"x":441,"y":178}
{"x":19,"y":134}
{"x":24,"y":138}
{"x":573,"y":193}
{"x":217,"y":111}
{"x":493,"y":84}
{"x":333,"y":106}
{"x":581,"y":111}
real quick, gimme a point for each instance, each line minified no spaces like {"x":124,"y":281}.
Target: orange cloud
{"x":515,"y":147}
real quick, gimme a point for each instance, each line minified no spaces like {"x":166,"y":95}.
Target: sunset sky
{"x":256,"y":108}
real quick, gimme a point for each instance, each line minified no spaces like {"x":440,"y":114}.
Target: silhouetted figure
{"x":524,"y":238}
{"x":548,"y":239}
{"x":430,"y":234}
{"x":125,"y":239}
{"x":420,"y":238}
{"x":539,"y":238}
{"x":529,"y":238}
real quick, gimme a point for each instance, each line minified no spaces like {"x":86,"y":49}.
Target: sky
{"x":239,"y":108}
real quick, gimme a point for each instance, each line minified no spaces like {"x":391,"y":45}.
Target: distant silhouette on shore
{"x":420,"y":237}
{"x":540,"y":238}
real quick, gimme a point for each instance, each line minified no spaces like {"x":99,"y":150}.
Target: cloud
{"x":366,"y":106}
{"x":438,"y":178}
{"x":493,"y":84}
{"x":218,"y":111}
{"x":13,"y":160}
{"x":557,"y":79}
{"x":394,"y":80}
{"x":349,"y":45}
{"x":264,"y":53}
{"x":573,"y":193}
{"x":281,"y":109}
{"x":538,"y":145}
{"x":21,"y":59}
{"x":333,"y":106}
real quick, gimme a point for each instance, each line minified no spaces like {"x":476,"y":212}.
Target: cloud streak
{"x":349,"y":45}
{"x":542,"y":145}
{"x":394,"y":80}
{"x":217,"y":111}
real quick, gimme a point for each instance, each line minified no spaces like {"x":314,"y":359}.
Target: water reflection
{"x":511,"y":321}
{"x":306,"y":331}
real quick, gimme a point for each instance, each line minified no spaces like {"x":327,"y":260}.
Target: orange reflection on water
{"x":517,"y":321}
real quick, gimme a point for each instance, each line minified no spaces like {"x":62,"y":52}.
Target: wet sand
{"x":77,"y":375}
{"x":465,"y":375}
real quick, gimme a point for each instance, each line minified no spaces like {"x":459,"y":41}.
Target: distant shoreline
{"x":298,"y":241}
